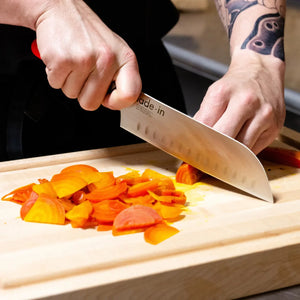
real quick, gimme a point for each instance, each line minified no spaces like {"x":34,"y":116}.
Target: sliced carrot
{"x":169,"y":196}
{"x":65,"y":184}
{"x":67,"y":204}
{"x":46,"y":210}
{"x":107,"y":193}
{"x":79,"y":214}
{"x":131,"y":178}
{"x":143,"y":200}
{"x":177,"y":196}
{"x":79,"y":168}
{"x":283,"y":156}
{"x":26,"y":206}
{"x":44,"y":188}
{"x":168,"y":211}
{"x":116,"y":232}
{"x":150,"y":174}
{"x":188,"y":174}
{"x":104,"y":179}
{"x":78,"y":197}
{"x":104,"y":227}
{"x":159,"y":233}
{"x":125,"y":204}
{"x":88,"y":174}
{"x":142,"y":188}
{"x":19,"y":195}
{"x":106,"y":211}
{"x":136,"y":216}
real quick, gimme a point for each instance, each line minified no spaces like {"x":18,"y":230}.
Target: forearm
{"x":22,"y":12}
{"x":256,"y":25}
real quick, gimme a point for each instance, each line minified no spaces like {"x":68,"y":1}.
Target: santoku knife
{"x":197,"y":144}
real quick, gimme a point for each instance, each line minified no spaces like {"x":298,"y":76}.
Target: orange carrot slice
{"x":283,"y":156}
{"x":79,"y":168}
{"x":142,"y":188}
{"x":86,"y":172}
{"x":67,"y":204}
{"x":164,"y":180}
{"x":46,"y":210}
{"x":107,"y":193}
{"x":106,"y":211}
{"x":104,"y":179}
{"x":131,"y":178}
{"x":188,"y":174}
{"x":150,"y":174}
{"x":78,"y":197}
{"x":104,"y":227}
{"x":159,"y":233}
{"x":143,"y":200}
{"x":136,"y":216}
{"x":19,"y":195}
{"x":168,"y":196}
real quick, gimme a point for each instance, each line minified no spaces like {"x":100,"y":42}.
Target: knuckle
{"x":250,"y":100}
{"x":268,"y":111}
{"x":85,"y":57}
{"x":217,"y":90}
{"x":107,"y":57}
{"x":129,"y":54}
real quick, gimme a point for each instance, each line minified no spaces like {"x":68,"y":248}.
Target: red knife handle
{"x":35,"y":50}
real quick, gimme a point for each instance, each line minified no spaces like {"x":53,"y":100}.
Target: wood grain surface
{"x":230,"y":244}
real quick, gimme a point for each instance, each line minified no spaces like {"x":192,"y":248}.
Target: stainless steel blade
{"x":197,"y":144}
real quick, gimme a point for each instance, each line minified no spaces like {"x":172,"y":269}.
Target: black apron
{"x":38,"y":120}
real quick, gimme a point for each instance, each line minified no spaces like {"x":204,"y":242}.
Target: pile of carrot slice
{"x":87,"y":198}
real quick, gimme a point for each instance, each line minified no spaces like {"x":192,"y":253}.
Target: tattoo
{"x":234,"y":8}
{"x":267,"y":36}
{"x":222,"y":12}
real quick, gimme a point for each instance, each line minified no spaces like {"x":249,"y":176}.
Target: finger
{"x":78,"y":76}
{"x":95,"y":88}
{"x":57,"y":76}
{"x":128,"y":87}
{"x":264,"y":140}
{"x":251,"y":131}
{"x":213,"y":105}
{"x":232,"y":121}
{"x":73,"y":84}
{"x":242,"y":108}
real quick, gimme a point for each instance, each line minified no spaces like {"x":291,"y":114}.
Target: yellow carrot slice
{"x":46,"y":210}
{"x":168,"y":211}
{"x":79,"y":214}
{"x":66,"y":184}
{"x":44,"y":188}
{"x":159,"y":233}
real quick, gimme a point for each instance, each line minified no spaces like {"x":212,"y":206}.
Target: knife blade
{"x":197,"y":144}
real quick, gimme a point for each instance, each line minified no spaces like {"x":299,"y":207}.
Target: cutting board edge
{"x":214,"y":271}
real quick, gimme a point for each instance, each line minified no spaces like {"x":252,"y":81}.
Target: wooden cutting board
{"x":230,"y":244}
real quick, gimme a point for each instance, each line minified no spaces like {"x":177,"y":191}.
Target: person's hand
{"x":83,"y":56}
{"x":248,"y":102}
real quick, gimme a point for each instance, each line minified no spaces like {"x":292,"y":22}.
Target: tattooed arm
{"x":247,"y":103}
